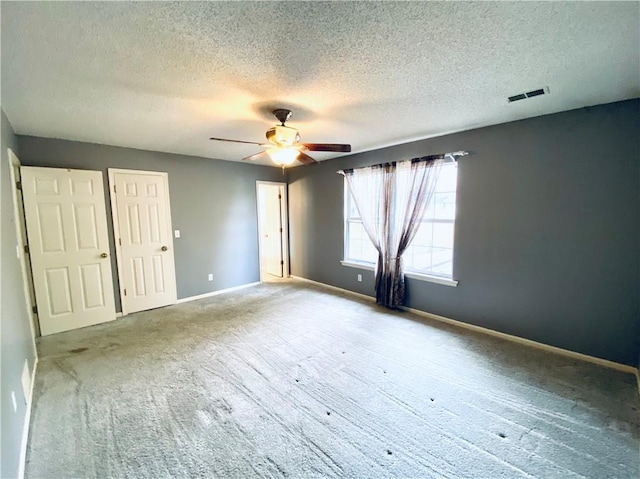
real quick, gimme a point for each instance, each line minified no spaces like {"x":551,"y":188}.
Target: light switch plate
{"x":176,"y":233}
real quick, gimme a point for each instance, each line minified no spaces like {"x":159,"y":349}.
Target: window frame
{"x":365,"y":265}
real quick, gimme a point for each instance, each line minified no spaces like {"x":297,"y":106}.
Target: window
{"x":431,"y":251}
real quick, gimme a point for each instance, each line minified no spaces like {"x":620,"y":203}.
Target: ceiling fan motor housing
{"x":283,"y":136}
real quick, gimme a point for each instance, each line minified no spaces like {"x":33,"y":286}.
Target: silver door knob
{"x":104,"y":255}
{"x":164,"y":248}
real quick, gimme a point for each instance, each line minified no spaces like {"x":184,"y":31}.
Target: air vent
{"x":529,"y":94}
{"x":521,"y":96}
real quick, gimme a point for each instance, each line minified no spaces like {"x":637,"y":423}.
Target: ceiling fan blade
{"x":257,"y":156}
{"x":327,"y":147}
{"x":237,"y":141}
{"x":305,"y":159}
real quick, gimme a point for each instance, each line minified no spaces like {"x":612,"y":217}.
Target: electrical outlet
{"x":176,"y":233}
{"x":360,"y":278}
{"x":13,"y":400}
{"x":210,"y":277}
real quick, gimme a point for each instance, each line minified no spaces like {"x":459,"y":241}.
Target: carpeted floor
{"x":292,"y":380}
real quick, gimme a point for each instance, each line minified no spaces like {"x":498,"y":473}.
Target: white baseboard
{"x":509,"y":337}
{"x":335,"y":288}
{"x":27,"y":421}
{"x":528,"y":342}
{"x":215,"y":293}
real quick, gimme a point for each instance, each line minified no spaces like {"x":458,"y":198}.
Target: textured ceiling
{"x":166,"y":76}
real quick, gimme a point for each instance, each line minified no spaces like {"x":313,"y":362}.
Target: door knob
{"x":164,"y":248}
{"x":104,"y":255}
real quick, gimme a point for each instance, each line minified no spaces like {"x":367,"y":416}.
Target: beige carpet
{"x":292,"y":380}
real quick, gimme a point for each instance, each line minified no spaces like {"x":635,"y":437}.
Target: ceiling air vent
{"x":529,"y":94}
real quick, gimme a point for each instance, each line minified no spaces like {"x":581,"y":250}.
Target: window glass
{"x":431,"y":251}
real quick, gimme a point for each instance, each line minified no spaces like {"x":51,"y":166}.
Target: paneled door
{"x":69,"y":247}
{"x":142,"y":225}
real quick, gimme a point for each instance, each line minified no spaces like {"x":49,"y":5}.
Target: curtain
{"x":391,"y":200}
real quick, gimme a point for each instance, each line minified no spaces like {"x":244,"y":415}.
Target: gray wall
{"x":547,"y":238}
{"x":213,"y":204}
{"x":17,"y":344}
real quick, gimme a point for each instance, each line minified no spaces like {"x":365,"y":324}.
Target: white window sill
{"x":418,"y":276}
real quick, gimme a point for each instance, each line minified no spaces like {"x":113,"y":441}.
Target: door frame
{"x":21,"y":236}
{"x":116,"y":230}
{"x":284,"y":220}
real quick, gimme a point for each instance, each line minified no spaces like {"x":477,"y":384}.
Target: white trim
{"x":27,"y":422}
{"x":216,"y":293}
{"x":27,"y":279}
{"x":355,"y":264}
{"x":116,"y":236}
{"x":516,"y":339}
{"x":408,"y":274}
{"x":528,"y":342}
{"x":116,"y":230}
{"x":431,"y":279}
{"x":335,"y":288}
{"x":284,"y":220}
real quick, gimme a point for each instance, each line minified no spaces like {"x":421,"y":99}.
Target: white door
{"x":142,"y":224}
{"x":69,"y":247}
{"x":271,"y":228}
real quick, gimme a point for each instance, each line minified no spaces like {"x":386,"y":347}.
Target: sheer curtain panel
{"x":391,"y":200}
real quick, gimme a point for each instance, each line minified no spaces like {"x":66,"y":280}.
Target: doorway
{"x":272,"y":230}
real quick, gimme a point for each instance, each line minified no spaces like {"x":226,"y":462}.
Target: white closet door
{"x":142,"y":215}
{"x":69,"y":247}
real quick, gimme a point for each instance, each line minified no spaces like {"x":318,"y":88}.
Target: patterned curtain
{"x":391,"y":200}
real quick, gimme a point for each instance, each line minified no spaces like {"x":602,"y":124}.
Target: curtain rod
{"x":452,"y":155}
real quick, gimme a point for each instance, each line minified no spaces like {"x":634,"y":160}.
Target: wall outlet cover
{"x":13,"y":400}
{"x":176,"y":233}
{"x":360,"y":277}
{"x":210,"y":277}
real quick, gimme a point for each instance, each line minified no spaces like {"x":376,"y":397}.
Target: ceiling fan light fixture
{"x":283,"y":156}
{"x":286,"y":136}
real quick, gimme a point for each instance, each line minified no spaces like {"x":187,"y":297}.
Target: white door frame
{"x":21,"y":246}
{"x":284,"y":218}
{"x":116,"y":228}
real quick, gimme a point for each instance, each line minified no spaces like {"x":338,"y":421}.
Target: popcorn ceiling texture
{"x":167,"y":75}
{"x":290,"y":380}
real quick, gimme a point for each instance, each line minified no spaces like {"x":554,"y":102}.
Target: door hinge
{"x":120,"y":241}
{"x":114,"y":188}
{"x":125,"y":292}
{"x":35,"y":310}
{"x":26,"y":248}
{"x":279,"y":196}
{"x":280,"y":230}
{"x":19,"y":185}
{"x":281,"y":262}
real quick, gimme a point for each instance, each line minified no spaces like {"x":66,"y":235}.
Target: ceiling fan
{"x":284,"y":145}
